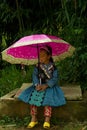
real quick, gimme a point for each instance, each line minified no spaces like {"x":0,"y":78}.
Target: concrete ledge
{"x":75,"y":109}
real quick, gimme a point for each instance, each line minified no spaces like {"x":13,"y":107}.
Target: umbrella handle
{"x":40,"y":81}
{"x":38,"y":64}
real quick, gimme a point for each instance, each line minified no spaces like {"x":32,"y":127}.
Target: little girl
{"x":45,"y":90}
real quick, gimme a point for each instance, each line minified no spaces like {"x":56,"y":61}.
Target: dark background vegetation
{"x":64,"y":18}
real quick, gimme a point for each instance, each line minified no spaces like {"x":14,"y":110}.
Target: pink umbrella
{"x":25,"y":51}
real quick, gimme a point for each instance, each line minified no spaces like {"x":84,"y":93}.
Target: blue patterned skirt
{"x":52,"y":96}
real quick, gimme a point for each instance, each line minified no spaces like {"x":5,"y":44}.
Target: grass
{"x":55,"y":123}
{"x":12,"y":77}
{"x":6,"y":120}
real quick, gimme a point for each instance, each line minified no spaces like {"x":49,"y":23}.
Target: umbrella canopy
{"x":25,"y":50}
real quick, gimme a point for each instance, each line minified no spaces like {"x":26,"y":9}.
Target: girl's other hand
{"x":41,"y":87}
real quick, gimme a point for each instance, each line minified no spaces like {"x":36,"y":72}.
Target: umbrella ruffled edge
{"x":14,"y":60}
{"x":68,"y":53}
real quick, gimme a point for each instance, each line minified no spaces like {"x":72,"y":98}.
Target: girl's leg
{"x":33,"y":112}
{"x":47,"y":113}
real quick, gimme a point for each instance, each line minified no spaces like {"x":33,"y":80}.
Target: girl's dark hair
{"x":49,"y":52}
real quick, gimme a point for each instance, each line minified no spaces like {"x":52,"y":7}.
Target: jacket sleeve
{"x":54,"y":80}
{"x":35,"y":77}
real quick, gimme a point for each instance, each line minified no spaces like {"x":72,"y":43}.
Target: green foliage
{"x":4,"y":44}
{"x":6,"y":120}
{"x":12,"y":77}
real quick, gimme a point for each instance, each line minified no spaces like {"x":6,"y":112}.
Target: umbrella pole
{"x":39,"y":75}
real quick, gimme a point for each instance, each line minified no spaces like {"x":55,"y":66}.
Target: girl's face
{"x":44,"y":57}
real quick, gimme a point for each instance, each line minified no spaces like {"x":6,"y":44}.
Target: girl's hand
{"x":41,"y":87}
{"x":38,"y":87}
